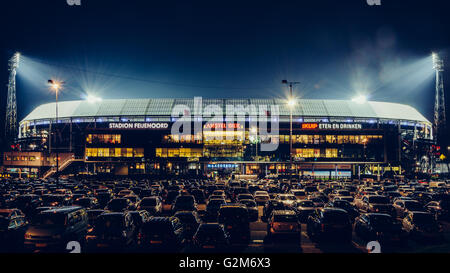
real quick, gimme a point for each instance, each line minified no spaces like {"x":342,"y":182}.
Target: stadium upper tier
{"x":122,"y":108}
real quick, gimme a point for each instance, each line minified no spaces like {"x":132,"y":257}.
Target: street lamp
{"x":56,"y":86}
{"x":291,"y":103}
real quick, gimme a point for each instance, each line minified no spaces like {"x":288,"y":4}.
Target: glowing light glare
{"x":93,"y":99}
{"x":360,"y":99}
{"x":291,"y":102}
{"x":55,"y":85}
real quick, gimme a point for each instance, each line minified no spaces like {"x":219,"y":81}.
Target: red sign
{"x":310,"y":126}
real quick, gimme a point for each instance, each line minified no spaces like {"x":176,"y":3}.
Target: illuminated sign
{"x":139,"y":125}
{"x":222,"y":126}
{"x":222,"y":166}
{"x":310,"y":126}
{"x":332,"y":126}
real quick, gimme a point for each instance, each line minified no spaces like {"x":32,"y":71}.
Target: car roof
{"x":67,"y":209}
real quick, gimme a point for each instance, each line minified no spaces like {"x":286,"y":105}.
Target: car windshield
{"x":289,"y":218}
{"x":381,"y":221}
{"x":423,"y":219}
{"x":413,"y":206}
{"x":109,"y":223}
{"x":335,"y":217}
{"x":52,"y":198}
{"x":307,"y":204}
{"x":49,"y":219}
{"x":379,"y":200}
{"x":148,"y":202}
{"x":341,"y":204}
{"x":215,"y":203}
{"x":233,"y":213}
{"x":116,"y":203}
{"x":287,"y":197}
{"x":249,"y":203}
{"x":186,"y":218}
{"x":211,"y":231}
{"x":83,"y":202}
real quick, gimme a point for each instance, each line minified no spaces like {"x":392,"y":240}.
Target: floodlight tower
{"x":11,"y":103}
{"x":439,"y":102}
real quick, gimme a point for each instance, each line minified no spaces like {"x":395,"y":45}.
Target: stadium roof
{"x":163,"y":107}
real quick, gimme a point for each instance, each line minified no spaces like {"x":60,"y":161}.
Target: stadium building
{"x":331,"y":138}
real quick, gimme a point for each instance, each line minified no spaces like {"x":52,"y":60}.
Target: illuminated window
{"x":178,"y":152}
{"x":103,"y":138}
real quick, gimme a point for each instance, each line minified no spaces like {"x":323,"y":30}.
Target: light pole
{"x":56,"y":86}
{"x":291,"y":103}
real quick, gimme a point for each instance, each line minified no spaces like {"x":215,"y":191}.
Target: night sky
{"x":241,"y":49}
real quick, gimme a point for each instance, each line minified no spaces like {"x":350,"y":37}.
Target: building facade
{"x":330,"y":138}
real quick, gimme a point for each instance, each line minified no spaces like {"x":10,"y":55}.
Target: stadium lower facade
{"x":330,"y":139}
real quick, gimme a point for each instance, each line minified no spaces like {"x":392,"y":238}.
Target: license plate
{"x":41,"y":245}
{"x":102,"y":245}
{"x":155,"y":242}
{"x":229,"y":227}
{"x":208,"y":246}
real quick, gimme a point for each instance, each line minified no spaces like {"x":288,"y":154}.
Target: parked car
{"x":422,"y":226}
{"x":211,"y":236}
{"x":213,"y":206}
{"x":345,"y":205}
{"x":162,"y":233}
{"x":190,"y":221}
{"x":27,"y":204}
{"x":12,"y":229}
{"x":329,"y":223}
{"x":252,"y":209}
{"x":403,"y":207}
{"x":375,"y":203}
{"x":271,"y":206}
{"x":184,"y":202}
{"x":112,"y":231}
{"x":87,"y":202}
{"x":289,"y":200}
{"x":304,"y":209}
{"x":52,"y":229}
{"x":379,"y":227}
{"x":119,"y":205}
{"x":140,"y":217}
{"x":235,"y":219}
{"x":440,"y":209}
{"x":283,"y":224}
{"x":261,"y":197}
{"x":152,"y":204}
{"x":55,"y":200}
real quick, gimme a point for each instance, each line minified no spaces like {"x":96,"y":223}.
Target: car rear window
{"x":379,"y":199}
{"x":285,"y":218}
{"x":148,"y":202}
{"x":335,"y":217}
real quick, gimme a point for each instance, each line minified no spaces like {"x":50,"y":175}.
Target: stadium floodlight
{"x":360,"y":99}
{"x":93,"y":99}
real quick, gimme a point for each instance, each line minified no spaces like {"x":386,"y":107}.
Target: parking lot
{"x":245,"y":216}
